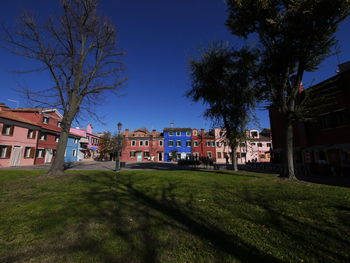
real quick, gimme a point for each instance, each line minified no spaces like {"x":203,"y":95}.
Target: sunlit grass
{"x":170,"y":216}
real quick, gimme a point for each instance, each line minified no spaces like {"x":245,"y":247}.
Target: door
{"x":16,"y":156}
{"x":139,"y":156}
{"x":48,"y":155}
{"x":160,"y":156}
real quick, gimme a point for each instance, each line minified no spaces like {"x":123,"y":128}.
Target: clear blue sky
{"x":159,"y":37}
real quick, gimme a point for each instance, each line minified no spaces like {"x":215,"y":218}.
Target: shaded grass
{"x":170,"y":216}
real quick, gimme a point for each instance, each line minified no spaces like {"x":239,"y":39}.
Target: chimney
{"x":202,"y":132}
{"x":126,"y":133}
{"x":154,"y":133}
{"x":171,"y":124}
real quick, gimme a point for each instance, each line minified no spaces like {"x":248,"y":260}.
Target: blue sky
{"x":159,"y":37}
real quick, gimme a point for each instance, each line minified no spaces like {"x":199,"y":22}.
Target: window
{"x":219,"y":155}
{"x":188,"y":143}
{"x":178,"y":156}
{"x":259,"y":144}
{"x":210,"y":155}
{"x":178,"y":143}
{"x":171,"y":133}
{"x":217,"y":144}
{"x":40,"y":153}
{"x":242,"y":144}
{"x":243,"y":155}
{"x":59,"y":124}
{"x":141,"y":143}
{"x":76,"y":140}
{"x":268,"y":145}
{"x":146,"y":154}
{"x":253,"y":143}
{"x":42,"y":136}
{"x":208,"y":144}
{"x":322,"y":156}
{"x":5,"y":151}
{"x":46,"y":120}
{"x":29,"y":152}
{"x":133,"y":143}
{"x":74,"y":153}
{"x":132,"y":154}
{"x":238,"y":155}
{"x":54,"y":152}
{"x":254,"y":134}
{"x":335,"y":119}
{"x":195,"y":143}
{"x":178,"y":133}
{"x":262,"y":156}
{"x":195,"y":133}
{"x":160,"y":143}
{"x":31,"y":134}
{"x":188,"y":133}
{"x":7,"y":130}
{"x":170,"y":143}
{"x":146,"y":143}
{"x":57,"y":139}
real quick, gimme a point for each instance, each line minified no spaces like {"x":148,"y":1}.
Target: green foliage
{"x":170,"y":216}
{"x":224,"y":80}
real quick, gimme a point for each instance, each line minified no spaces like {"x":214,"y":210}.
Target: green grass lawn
{"x":170,"y":216}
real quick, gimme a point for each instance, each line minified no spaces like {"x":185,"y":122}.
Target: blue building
{"x":177,"y":141}
{"x":73,"y":148}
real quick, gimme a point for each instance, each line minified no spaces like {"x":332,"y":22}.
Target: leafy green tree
{"x":294,"y":36}
{"x":223,"y":79}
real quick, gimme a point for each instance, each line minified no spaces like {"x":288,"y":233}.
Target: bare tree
{"x":79,"y":51}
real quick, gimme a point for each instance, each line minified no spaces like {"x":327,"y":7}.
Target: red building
{"x":49,"y":121}
{"x":324,"y":142}
{"x":203,"y":144}
{"x":142,"y":146}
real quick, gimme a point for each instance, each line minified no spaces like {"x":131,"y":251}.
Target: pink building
{"x":255,"y":148}
{"x":18,"y":139}
{"x":89,"y":142}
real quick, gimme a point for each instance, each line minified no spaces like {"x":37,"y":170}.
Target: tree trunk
{"x":288,"y":155}
{"x":57,"y":166}
{"x":234,"y":158}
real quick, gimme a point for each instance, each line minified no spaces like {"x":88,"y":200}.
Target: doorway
{"x":16,"y":156}
{"x":160,"y":156}
{"x":139,"y":156}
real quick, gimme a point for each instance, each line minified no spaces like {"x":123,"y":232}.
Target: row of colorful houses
{"x":173,"y":144}
{"x":31,"y":136}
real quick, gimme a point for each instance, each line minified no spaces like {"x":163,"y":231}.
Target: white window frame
{"x":42,"y":137}
{"x":180,"y":143}
{"x":57,"y":139}
{"x":76,"y":140}
{"x":133,"y":143}
{"x":3,"y":152}
{"x":7,"y":129}
{"x":195,"y":133}
{"x":171,"y":133}
{"x":141,"y":143}
{"x":195,"y":143}
{"x":189,"y":143}
{"x":188,"y":133}
{"x":178,"y":133}
{"x":74,"y":153}
{"x":161,"y":142}
{"x":59,"y":124}
{"x":42,"y":153}
{"x":27,"y":152}
{"x":146,"y":143}
{"x":46,"y":120}
{"x":210,"y":155}
{"x":171,"y":142}
{"x":132,"y":154}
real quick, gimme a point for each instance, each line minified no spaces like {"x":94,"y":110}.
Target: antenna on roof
{"x":16,"y":101}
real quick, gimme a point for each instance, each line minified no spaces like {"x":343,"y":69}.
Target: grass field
{"x":170,"y":216}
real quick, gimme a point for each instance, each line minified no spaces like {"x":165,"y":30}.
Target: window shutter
{"x":3,"y":128}
{"x":11,"y":130}
{"x":34,"y":134}
{"x":8,"y":152}
{"x":32,"y":152}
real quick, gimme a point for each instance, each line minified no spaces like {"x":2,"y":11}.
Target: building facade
{"x":142,"y":145}
{"x":18,"y":139}
{"x":177,"y":143}
{"x":72,"y":149}
{"x":203,"y":144}
{"x":322,"y":144}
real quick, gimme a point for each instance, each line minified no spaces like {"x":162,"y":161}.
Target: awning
{"x":94,"y":148}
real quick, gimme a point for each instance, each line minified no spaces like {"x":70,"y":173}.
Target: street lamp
{"x":117,"y":161}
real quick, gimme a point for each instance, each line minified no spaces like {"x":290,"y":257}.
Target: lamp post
{"x":117,"y":160}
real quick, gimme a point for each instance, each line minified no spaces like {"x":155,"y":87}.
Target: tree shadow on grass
{"x":322,"y":241}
